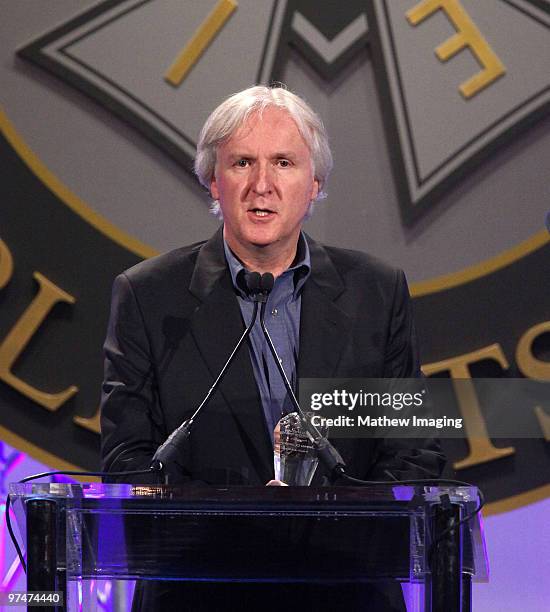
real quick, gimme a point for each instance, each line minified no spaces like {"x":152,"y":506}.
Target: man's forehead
{"x":283,"y":131}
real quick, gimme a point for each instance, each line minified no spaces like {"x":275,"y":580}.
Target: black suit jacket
{"x":174,"y":321}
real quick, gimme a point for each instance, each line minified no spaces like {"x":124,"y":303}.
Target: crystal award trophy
{"x":295,"y":458}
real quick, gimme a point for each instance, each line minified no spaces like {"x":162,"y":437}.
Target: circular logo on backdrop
{"x":443,"y":114}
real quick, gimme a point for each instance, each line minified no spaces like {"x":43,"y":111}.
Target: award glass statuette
{"x":295,"y":459}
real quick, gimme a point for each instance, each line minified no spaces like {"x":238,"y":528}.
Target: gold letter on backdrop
{"x":201,"y":39}
{"x":467,"y":35}
{"x":532,"y":367}
{"x":21,"y":333}
{"x":482,"y":449}
{"x":89,"y":423}
{"x":6,"y":264}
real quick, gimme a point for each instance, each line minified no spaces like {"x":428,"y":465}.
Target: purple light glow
{"x":483,"y":536}
{"x":518,"y":543}
{"x":15,"y":465}
{"x":403,"y":493}
{"x":79,"y":587}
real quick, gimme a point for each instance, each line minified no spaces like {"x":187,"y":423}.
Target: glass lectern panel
{"x":270,"y":534}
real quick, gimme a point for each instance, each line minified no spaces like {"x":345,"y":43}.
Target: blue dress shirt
{"x":283,"y":323}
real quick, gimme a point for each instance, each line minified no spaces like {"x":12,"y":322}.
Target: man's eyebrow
{"x":249,"y":155}
{"x":241,"y":155}
{"x":285,"y":154}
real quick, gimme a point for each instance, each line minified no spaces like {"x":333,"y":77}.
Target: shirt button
{"x":274,"y":312}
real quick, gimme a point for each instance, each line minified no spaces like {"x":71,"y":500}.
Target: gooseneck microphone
{"x":169,"y":451}
{"x":328,"y":455}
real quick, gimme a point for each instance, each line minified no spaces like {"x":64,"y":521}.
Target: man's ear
{"x":314,"y":190}
{"x":214,"y":192}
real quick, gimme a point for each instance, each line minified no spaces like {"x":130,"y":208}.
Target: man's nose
{"x":262,"y":178}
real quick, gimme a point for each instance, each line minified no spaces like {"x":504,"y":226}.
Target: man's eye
{"x":284,"y":163}
{"x":242,"y":163}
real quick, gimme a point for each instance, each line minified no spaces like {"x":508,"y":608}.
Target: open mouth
{"x":261,"y":212}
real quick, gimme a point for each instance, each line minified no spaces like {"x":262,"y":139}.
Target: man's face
{"x":264,"y":182}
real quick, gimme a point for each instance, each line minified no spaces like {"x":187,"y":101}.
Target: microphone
{"x":254,"y":283}
{"x":261,"y":285}
{"x":171,"y":449}
{"x":328,"y":455}
{"x":267,"y":282}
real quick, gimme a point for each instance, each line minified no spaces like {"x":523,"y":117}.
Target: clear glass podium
{"x":74,"y":534}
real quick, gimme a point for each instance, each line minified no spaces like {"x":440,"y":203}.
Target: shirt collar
{"x":300,"y":267}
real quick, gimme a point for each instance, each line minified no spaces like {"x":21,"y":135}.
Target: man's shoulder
{"x":179,"y":262}
{"x":353,"y":262}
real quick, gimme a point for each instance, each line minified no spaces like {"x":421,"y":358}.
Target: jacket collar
{"x":211,"y":266}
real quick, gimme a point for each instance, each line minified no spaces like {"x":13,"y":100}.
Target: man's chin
{"x":265,"y":244}
{"x":261,"y":240}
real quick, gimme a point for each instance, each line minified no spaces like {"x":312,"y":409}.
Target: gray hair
{"x":233,"y":112}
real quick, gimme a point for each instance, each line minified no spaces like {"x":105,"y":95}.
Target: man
{"x":264,"y":156}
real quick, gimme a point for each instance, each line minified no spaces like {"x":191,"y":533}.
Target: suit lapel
{"x":216,"y":326}
{"x":324,"y":328}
